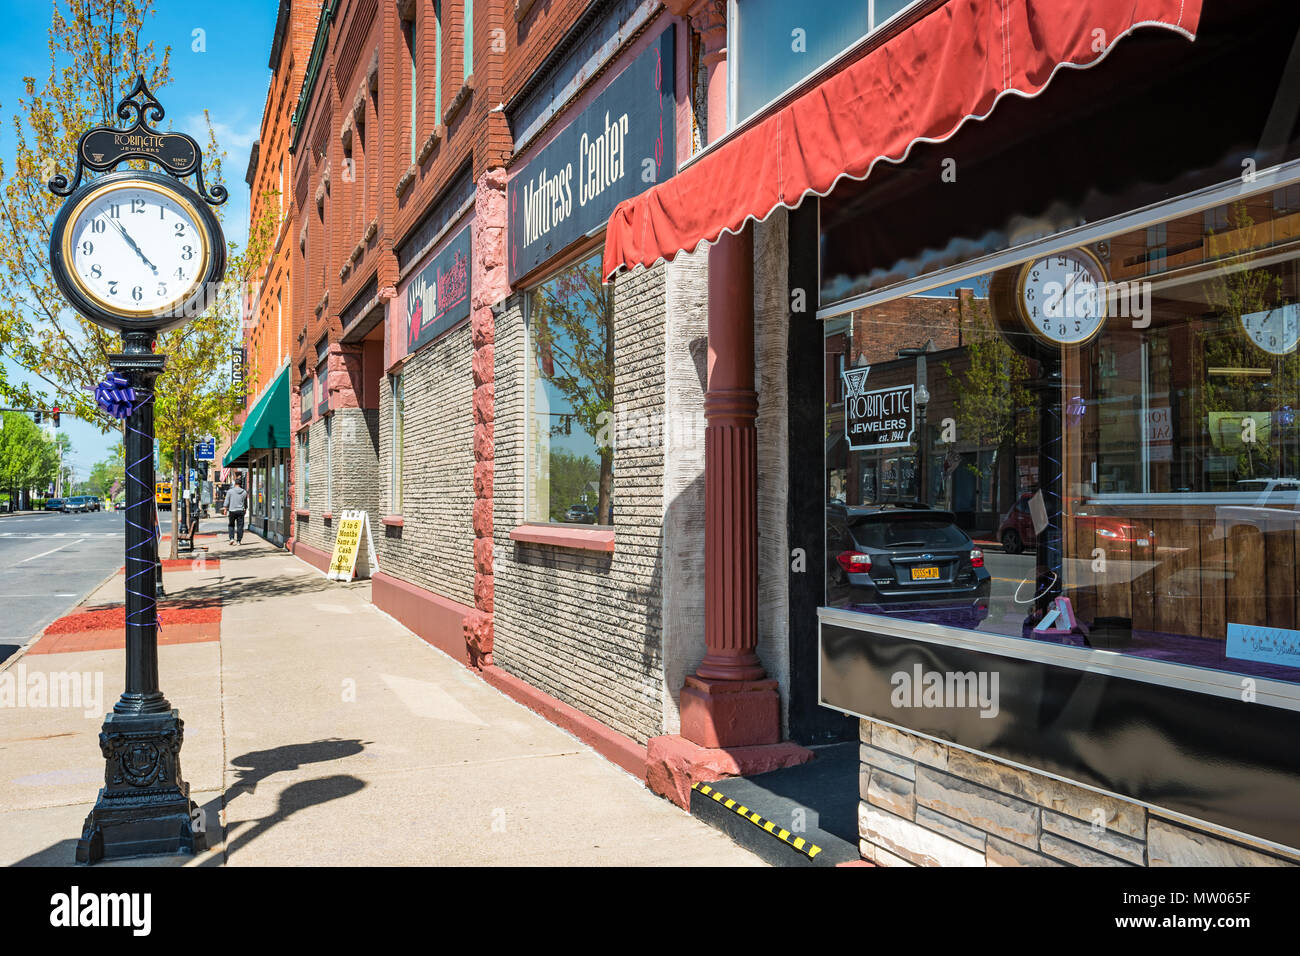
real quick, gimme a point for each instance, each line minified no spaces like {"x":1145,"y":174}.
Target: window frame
{"x":1220,"y":683}
{"x":582,"y":252}
{"x":397,"y":443}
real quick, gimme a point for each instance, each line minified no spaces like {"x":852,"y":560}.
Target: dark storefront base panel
{"x":1212,"y":758}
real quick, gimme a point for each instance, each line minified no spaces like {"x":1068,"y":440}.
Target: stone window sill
{"x":458,"y":101}
{"x":328,"y":516}
{"x":585,"y":539}
{"x":393,"y":521}
{"x":302,"y":513}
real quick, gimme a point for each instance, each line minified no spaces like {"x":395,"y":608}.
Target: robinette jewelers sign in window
{"x":619,"y":146}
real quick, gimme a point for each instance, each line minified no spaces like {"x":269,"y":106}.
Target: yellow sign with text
{"x":354,"y":549}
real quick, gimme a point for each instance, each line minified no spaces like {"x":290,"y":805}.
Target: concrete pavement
{"x":318,"y":731}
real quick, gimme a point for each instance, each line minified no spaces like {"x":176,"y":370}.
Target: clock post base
{"x":144,"y":807}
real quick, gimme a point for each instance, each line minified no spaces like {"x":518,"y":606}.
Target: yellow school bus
{"x":163,"y":494}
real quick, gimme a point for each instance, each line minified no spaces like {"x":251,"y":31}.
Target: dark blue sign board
{"x":618,"y":147}
{"x":205,"y":450}
{"x":437,"y":296}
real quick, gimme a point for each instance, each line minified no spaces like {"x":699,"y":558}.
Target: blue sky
{"x":228,"y":77}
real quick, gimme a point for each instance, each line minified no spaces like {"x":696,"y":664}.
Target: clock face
{"x":1276,"y":331}
{"x":136,"y":248}
{"x":1062,"y":297}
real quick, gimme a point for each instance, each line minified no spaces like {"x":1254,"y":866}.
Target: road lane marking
{"x":51,"y":551}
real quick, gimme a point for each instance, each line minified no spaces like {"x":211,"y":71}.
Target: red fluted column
{"x":731,"y":467}
{"x":727,"y":702}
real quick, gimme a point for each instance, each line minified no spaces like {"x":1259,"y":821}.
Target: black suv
{"x":905,"y":559}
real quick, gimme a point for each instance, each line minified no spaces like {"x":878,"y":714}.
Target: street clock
{"x":137,"y":250}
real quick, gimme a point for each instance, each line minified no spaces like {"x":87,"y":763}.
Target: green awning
{"x":267,"y":425}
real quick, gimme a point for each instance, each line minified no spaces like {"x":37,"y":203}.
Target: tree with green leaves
{"x":992,"y":389}
{"x":29,"y":461}
{"x":96,"y":50}
{"x":573,"y":331}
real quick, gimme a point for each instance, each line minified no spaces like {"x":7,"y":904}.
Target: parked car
{"x":119,"y":505}
{"x":580,"y":514}
{"x":905,"y":559}
{"x":54,"y":504}
{"x":73,"y":505}
{"x":1016,"y":532}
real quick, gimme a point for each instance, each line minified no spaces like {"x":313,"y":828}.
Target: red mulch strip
{"x":103,"y":627}
{"x":201,"y":534}
{"x":184,"y":564}
{"x":114,"y":615}
{"x":112,"y":639}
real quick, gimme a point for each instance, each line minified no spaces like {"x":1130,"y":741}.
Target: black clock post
{"x":144,"y":807}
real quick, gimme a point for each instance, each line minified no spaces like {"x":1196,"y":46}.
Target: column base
{"x":144,"y":807}
{"x":674,"y":764}
{"x":730,"y":713}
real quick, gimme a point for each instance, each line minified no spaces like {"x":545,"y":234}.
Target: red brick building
{"x":269,"y":305}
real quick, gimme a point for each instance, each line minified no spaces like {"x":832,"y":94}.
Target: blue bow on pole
{"x":115,"y":395}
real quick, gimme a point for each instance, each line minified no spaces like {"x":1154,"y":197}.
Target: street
{"x":51,"y":561}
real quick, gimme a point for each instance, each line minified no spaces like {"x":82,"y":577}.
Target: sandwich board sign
{"x":354,"y":548}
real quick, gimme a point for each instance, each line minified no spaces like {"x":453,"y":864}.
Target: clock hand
{"x":131,"y":242}
{"x":1065,"y":290}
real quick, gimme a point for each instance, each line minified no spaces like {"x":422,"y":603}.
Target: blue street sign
{"x":205,"y":450}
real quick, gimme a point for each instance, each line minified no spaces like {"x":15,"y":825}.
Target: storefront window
{"x":570,"y":393}
{"x":398,"y":442}
{"x":1109,"y":456}
{"x":329,"y":464}
{"x":304,"y":469}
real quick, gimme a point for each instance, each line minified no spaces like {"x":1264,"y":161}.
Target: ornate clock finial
{"x":102,"y":148}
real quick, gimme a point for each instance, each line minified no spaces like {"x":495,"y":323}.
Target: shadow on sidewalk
{"x":253,"y":768}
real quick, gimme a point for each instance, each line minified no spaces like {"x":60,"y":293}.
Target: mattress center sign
{"x":619,"y":146}
{"x":883,"y":418}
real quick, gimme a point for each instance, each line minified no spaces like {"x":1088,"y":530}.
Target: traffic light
{"x":36,"y":417}
{"x":55,"y":412}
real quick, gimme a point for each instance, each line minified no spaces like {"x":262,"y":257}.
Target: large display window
{"x":570,"y":468}
{"x":1094,"y":448}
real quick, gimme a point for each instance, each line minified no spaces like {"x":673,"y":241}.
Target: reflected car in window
{"x":1016,"y":532}
{"x":907,"y":560}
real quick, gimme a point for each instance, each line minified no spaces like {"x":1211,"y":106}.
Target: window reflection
{"x":1137,"y":490}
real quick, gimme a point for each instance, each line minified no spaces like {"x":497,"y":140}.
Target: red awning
{"x":921,"y":86}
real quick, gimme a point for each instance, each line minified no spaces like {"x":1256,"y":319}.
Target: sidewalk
{"x":318,"y":731}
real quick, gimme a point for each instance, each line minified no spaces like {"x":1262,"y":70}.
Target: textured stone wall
{"x":686,"y":357}
{"x":924,"y":803}
{"x":434,"y":547}
{"x":353,"y":483}
{"x":586,"y":626}
{"x":771,"y":320}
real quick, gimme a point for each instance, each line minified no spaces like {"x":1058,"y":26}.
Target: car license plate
{"x":1143,"y":542}
{"x":924,"y":574}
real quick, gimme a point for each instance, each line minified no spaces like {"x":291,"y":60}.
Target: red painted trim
{"x":302,"y":513}
{"x":314,"y":556}
{"x":393,"y":521}
{"x":433,"y":618}
{"x":328,"y":516}
{"x":588,"y":539}
{"x":607,"y":742}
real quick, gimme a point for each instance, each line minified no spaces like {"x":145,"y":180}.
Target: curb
{"x":31,"y":641}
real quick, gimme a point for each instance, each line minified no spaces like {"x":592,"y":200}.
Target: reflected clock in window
{"x":1063,"y":297}
{"x":1276,"y":331}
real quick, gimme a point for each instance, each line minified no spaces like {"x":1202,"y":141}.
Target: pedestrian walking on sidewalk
{"x":235,"y":505}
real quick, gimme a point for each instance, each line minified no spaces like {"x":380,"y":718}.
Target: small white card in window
{"x":1038,"y":512}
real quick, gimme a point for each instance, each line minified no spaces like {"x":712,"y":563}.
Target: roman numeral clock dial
{"x":137,"y":251}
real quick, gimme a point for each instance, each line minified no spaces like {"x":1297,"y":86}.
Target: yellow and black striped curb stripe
{"x":799,"y":843}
